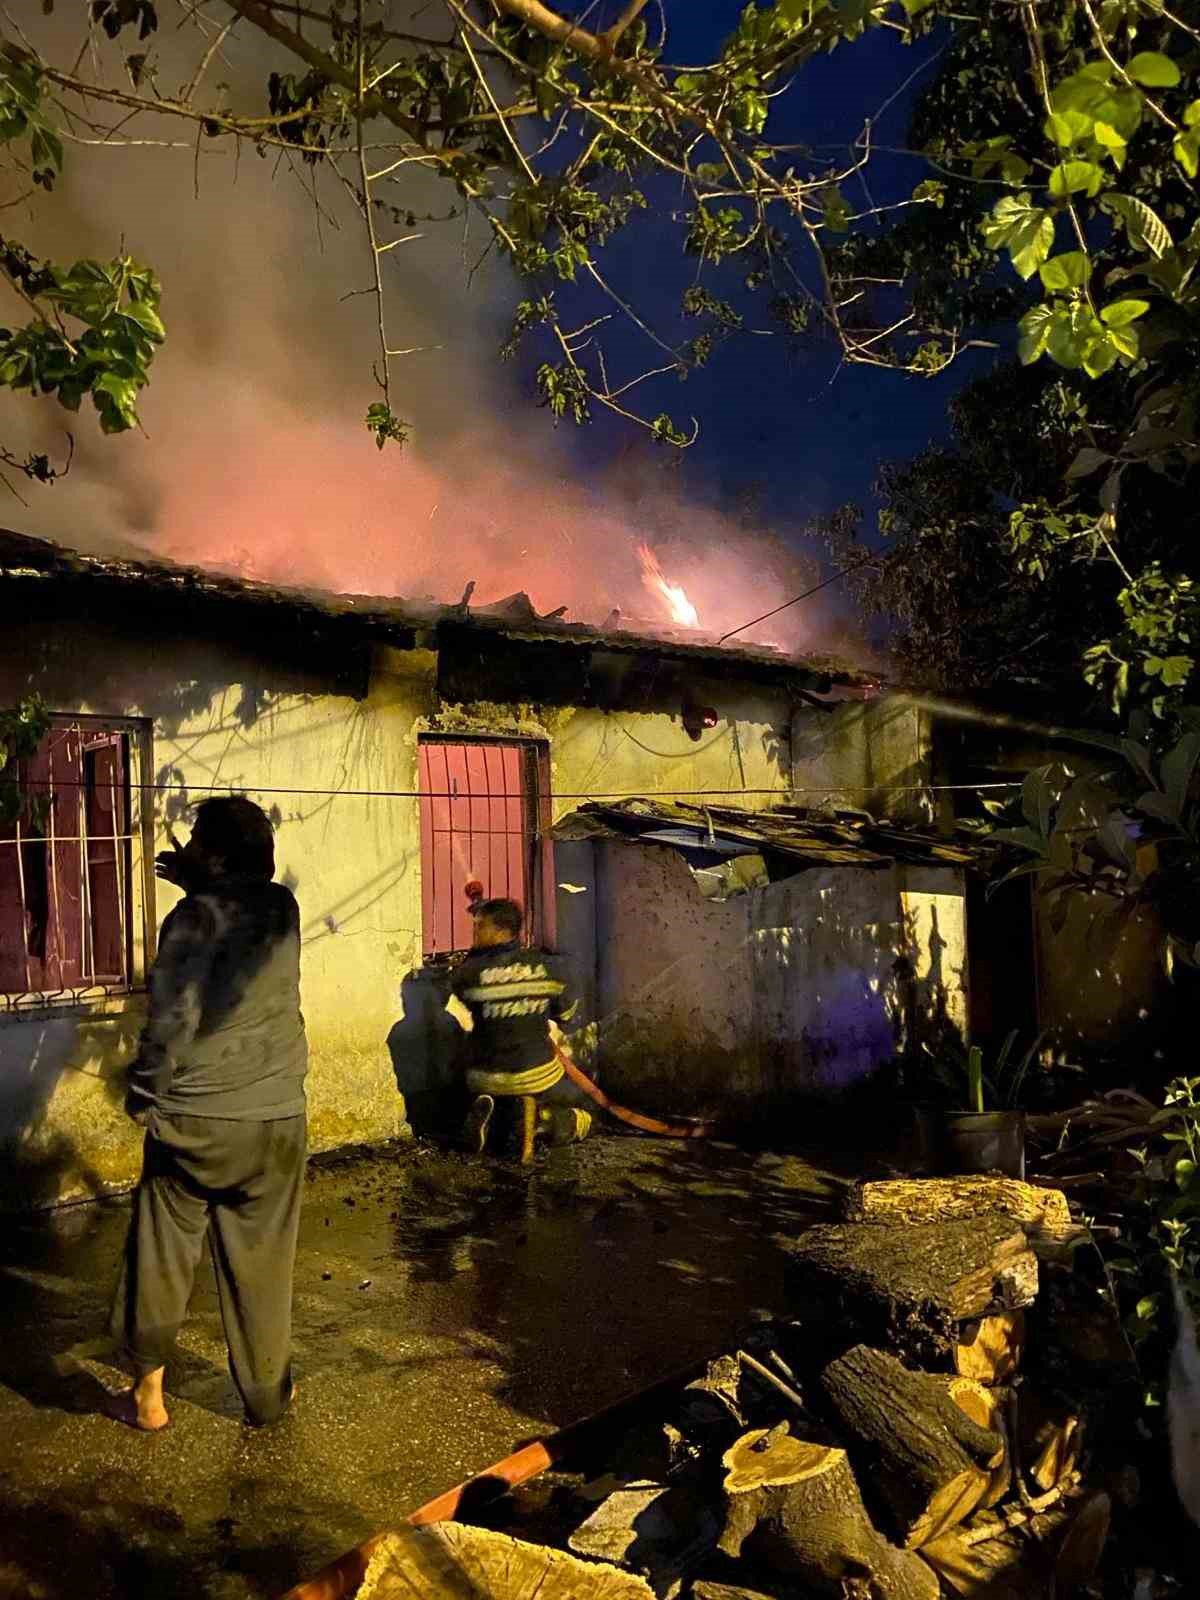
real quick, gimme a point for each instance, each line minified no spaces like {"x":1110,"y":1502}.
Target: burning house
{"x":649,"y":799}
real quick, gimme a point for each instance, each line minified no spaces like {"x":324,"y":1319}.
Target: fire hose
{"x":683,"y":1128}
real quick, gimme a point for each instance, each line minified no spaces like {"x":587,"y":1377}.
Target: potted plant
{"x":976,"y":1122}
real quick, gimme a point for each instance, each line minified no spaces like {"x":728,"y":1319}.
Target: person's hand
{"x":172,"y":865}
{"x":138,"y":1109}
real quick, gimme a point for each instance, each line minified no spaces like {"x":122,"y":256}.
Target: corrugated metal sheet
{"x":786,"y":831}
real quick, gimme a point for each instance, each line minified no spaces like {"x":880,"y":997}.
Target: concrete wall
{"x":230,"y":717}
{"x":866,"y":755}
{"x":784,"y":992}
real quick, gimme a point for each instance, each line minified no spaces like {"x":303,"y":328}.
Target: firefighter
{"x":507,"y":996}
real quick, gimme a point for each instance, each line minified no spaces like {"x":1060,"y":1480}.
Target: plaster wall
{"x":866,"y":755}
{"x":787,"y":992}
{"x":338,"y":774}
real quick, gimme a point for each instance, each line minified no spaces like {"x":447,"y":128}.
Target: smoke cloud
{"x":255,"y":457}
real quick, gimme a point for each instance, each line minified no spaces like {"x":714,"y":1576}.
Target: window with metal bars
{"x":484,"y":814}
{"x":67,"y":866}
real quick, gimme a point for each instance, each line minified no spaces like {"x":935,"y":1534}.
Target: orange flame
{"x":681,"y":608}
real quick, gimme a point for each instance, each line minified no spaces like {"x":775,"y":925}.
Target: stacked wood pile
{"x":908,"y":1435}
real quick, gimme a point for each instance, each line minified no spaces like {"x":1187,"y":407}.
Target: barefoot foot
{"x":147,"y":1416}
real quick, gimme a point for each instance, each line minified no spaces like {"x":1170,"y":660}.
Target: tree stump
{"x":930,"y":1460}
{"x":796,"y":1509}
{"x":911,"y":1288}
{"x":452,"y":1561}
{"x":918,"y":1200}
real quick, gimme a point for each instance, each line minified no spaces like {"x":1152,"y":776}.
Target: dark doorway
{"x":1002,"y":963}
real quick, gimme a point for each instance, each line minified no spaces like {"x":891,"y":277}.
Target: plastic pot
{"x":991,"y":1142}
{"x":950,"y":1142}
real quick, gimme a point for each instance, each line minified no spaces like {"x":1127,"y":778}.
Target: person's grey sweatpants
{"x":239,"y":1182}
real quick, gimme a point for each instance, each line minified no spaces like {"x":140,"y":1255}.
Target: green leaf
{"x":1154,"y":71}
{"x":1022,"y":838}
{"x":1071,"y":270}
{"x":837,"y":210}
{"x":1038,"y":797}
{"x":1178,"y":768}
{"x":1035,"y":328}
{"x":1025,"y":230}
{"x":1111,"y":140}
{"x":1076,"y":177}
{"x":1191,"y":117}
{"x":144,"y":314}
{"x":1125,"y":341}
{"x":1123,"y":312}
{"x":1145,"y":228}
{"x":1087,"y":461}
{"x":1187,"y":151}
{"x":1066,"y":128}
{"x":1075,"y":337}
{"x":1176,"y":670}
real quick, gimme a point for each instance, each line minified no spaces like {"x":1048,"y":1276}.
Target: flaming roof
{"x":408,"y":623}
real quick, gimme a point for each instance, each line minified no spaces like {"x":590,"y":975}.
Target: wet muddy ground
{"x":446,"y":1310}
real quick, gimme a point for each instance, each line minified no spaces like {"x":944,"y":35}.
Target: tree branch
{"x":262,"y":16}
{"x":612,"y":36}
{"x":541,"y":19}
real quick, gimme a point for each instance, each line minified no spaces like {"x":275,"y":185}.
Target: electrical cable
{"x":767,"y":615}
{"x":598,"y":794}
{"x":678,"y":755}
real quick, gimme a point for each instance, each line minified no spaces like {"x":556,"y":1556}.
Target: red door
{"x":479,"y":820}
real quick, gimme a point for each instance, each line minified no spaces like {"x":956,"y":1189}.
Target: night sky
{"x":776,"y":412}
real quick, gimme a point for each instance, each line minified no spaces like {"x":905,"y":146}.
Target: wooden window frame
{"x":134,"y":855}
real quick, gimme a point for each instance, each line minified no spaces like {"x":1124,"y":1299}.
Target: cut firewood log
{"x":929,"y":1460}
{"x":712,"y":1410}
{"x":1082,"y":1549}
{"x":702,"y":1589}
{"x":997,"y":1569}
{"x":1041,"y":1555}
{"x":452,"y":1561}
{"x":1051,"y":1440}
{"x":990,"y":1348}
{"x":795,"y":1508}
{"x":661,"y":1531}
{"x":986,"y":1408}
{"x":994,"y":1562}
{"x":909,"y":1200}
{"x":910,"y":1289}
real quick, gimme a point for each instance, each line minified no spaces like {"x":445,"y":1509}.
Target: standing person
{"x":218,"y":1084}
{"x":512,"y":995}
